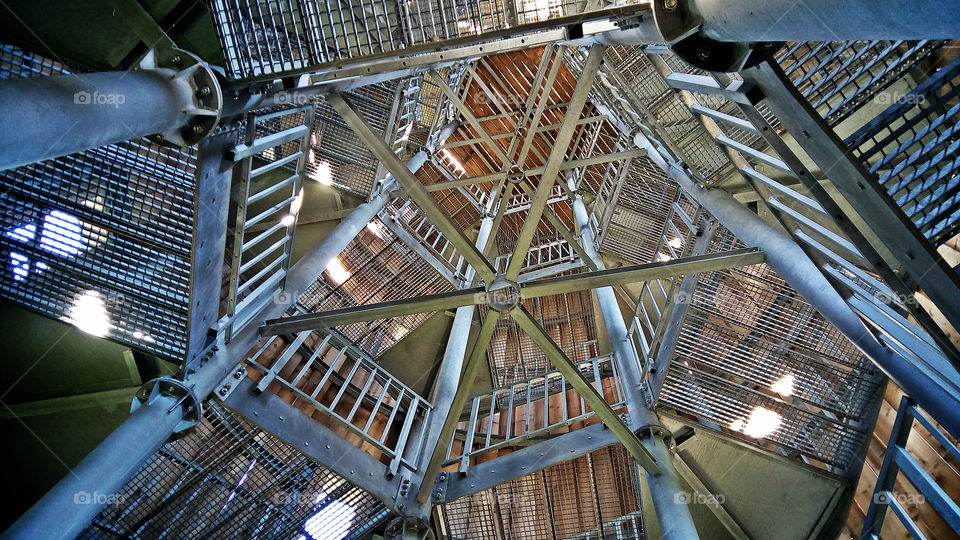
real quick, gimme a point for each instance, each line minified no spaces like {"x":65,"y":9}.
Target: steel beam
{"x":643,"y":272}
{"x":589,"y":394}
{"x":675,"y":521}
{"x":884,"y":222}
{"x":826,"y":20}
{"x":698,"y":484}
{"x":532,"y":289}
{"x":428,"y":205}
{"x":536,"y":171}
{"x":468,"y":115}
{"x":557,"y":155}
{"x":524,"y":461}
{"x":476,"y":361}
{"x":373,"y":312}
{"x":107,"y":468}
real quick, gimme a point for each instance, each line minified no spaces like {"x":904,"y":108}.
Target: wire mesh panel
{"x":229,"y":479}
{"x":645,"y":201}
{"x":593,"y":496}
{"x":755,"y":358}
{"x":640,"y":83}
{"x":337,"y":156}
{"x":101,"y":238}
{"x":270,"y":37}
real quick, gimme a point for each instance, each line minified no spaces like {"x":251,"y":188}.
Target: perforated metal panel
{"x":101,"y":237}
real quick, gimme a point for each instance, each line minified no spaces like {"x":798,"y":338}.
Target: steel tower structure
{"x":515,"y":157}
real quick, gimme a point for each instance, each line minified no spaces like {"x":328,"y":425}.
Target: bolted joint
{"x":153,"y":390}
{"x":656,"y":431}
{"x":408,"y":528}
{"x":682,"y":29}
{"x":199,"y":90}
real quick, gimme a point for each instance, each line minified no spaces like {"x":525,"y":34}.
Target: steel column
{"x":449,"y":388}
{"x":47,"y":117}
{"x":673,"y":516}
{"x":928,"y":388}
{"x":826,"y":20}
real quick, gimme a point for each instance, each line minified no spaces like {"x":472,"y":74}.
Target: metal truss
{"x":545,"y":190}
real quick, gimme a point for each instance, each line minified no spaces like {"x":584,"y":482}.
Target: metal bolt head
{"x":670,"y":5}
{"x":197,"y":129}
{"x":204,"y":90}
{"x":177,"y":60}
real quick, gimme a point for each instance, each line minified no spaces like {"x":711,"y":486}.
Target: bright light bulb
{"x":785,"y":385}
{"x":89,"y":314}
{"x":337,"y":271}
{"x":288,"y":220}
{"x":323,"y":173}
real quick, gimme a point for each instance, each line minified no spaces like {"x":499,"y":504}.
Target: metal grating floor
{"x":228,"y":479}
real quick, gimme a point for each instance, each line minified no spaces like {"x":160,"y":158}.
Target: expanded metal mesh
{"x":754,"y":357}
{"x":593,"y":496}
{"x":839,"y":77}
{"x":912,"y":147}
{"x":101,"y":238}
{"x":375,"y":267}
{"x":228,"y":478}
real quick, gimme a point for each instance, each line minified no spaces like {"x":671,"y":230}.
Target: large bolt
{"x":670,"y":5}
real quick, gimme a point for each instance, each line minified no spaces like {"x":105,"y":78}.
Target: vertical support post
{"x":446,"y":385}
{"x":672,"y":513}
